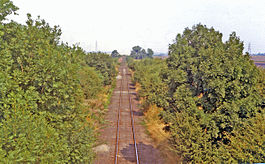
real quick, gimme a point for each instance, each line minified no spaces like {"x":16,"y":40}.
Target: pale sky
{"x":122,"y":24}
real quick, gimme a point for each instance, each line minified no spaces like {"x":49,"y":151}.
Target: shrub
{"x":43,"y":84}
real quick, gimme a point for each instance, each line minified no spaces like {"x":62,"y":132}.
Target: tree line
{"x":212,"y":96}
{"x":46,"y":86}
{"x":137,"y":52}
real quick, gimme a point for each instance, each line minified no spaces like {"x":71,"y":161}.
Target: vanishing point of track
{"x":124,"y":89}
{"x":123,"y":139}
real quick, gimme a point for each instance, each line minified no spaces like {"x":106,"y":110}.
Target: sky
{"x":122,"y":24}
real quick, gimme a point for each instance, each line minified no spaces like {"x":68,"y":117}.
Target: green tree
{"x":136,"y":51}
{"x":247,"y":141}
{"x":212,"y":94}
{"x":150,"y":53}
{"x":148,"y":73}
{"x":43,"y":84}
{"x":104,"y":64}
{"x":115,"y":53}
{"x":6,"y":8}
{"x":213,"y":83}
{"x":140,"y":53}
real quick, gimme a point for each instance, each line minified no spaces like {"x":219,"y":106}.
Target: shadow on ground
{"x":151,"y":154}
{"x":138,"y":113}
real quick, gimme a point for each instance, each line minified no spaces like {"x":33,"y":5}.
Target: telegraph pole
{"x":96,"y":46}
{"x":249,"y":48}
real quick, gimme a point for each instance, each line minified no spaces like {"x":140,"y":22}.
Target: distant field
{"x":259,"y":60}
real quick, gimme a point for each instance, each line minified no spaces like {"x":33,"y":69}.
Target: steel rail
{"x":118,"y":127}
{"x":118,"y":120}
{"x":132,"y":122}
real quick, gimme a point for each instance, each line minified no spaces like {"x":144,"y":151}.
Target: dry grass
{"x":155,"y":128}
{"x":97,"y":108}
{"x":154,"y":125}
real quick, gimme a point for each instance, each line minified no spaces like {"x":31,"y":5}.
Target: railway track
{"x":124,"y":138}
{"x":123,"y":126}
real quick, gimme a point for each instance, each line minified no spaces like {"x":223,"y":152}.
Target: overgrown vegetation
{"x":212,"y":97}
{"x":148,"y":73}
{"x":44,"y":85}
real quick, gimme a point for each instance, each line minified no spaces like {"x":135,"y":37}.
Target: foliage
{"x":248,"y":140}
{"x":150,"y":53}
{"x":104,"y":64}
{"x":213,"y":84}
{"x":91,"y":81}
{"x":6,"y":8}
{"x":140,"y":53}
{"x":148,"y":74}
{"x":261,"y":86}
{"x":115,"y":54}
{"x":43,"y":84}
{"x":28,"y":138}
{"x":212,"y":95}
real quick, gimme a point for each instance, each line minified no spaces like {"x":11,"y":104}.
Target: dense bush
{"x":91,"y":81}
{"x":43,"y":84}
{"x":215,"y":85}
{"x":214,"y":100}
{"x":104,"y":64}
{"x":148,"y":73}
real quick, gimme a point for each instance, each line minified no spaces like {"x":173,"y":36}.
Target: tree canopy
{"x":44,"y":85}
{"x":115,"y":53}
{"x":214,"y":82}
{"x":140,"y":53}
{"x":6,"y":8}
{"x":212,"y":95}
